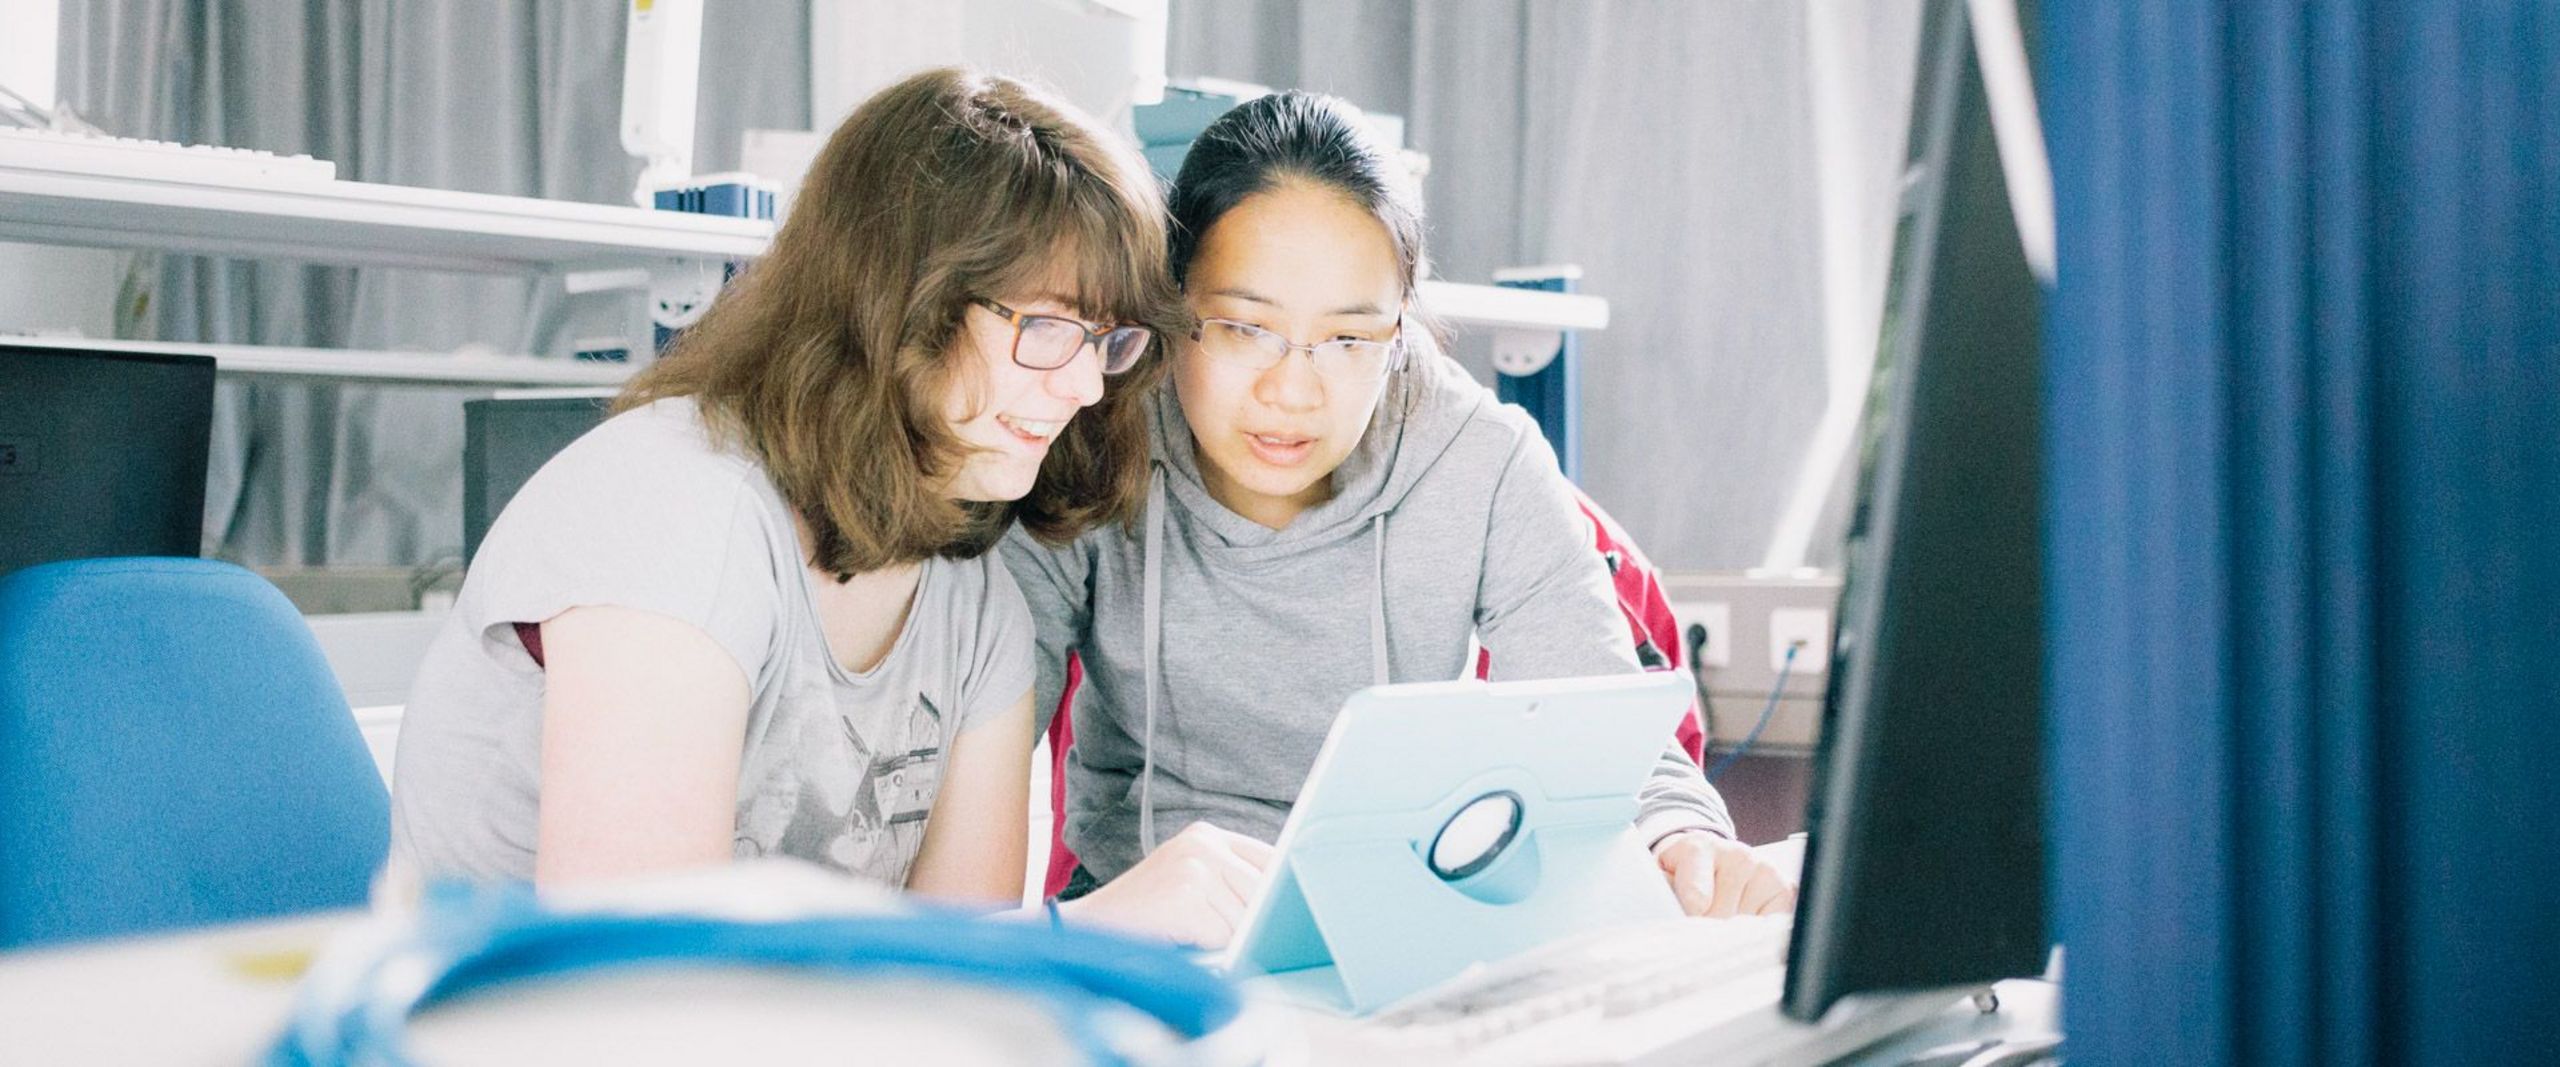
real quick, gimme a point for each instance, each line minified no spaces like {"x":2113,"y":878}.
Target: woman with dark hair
{"x":1333,"y":504}
{"x":754,"y":612}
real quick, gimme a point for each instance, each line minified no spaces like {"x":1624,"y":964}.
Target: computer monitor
{"x":1924,"y":866}
{"x":508,"y":437}
{"x":102,"y":453}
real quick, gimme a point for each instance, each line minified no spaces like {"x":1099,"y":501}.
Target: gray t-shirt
{"x":648,"y":512}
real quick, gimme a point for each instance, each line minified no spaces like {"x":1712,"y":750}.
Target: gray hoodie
{"x":1450,"y":523}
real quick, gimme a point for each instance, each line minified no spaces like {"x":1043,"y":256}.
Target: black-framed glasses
{"x":1048,"y":342}
{"x":1248,"y":345}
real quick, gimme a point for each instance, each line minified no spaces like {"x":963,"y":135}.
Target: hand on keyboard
{"x":1192,"y":889}
{"x":1718,"y":876}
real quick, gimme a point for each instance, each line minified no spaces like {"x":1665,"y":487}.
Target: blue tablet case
{"x":1355,"y":915}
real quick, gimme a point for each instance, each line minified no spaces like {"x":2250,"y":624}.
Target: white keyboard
{"x":1548,"y":1004}
{"x":128,"y":157}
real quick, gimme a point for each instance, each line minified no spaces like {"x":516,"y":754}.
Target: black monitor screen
{"x":505,"y":440}
{"x":1925,"y":864}
{"x":101,"y":453}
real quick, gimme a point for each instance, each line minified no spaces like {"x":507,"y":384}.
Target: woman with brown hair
{"x":755,"y":613}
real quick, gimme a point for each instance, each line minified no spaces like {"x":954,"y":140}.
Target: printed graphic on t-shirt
{"x":850,"y":797}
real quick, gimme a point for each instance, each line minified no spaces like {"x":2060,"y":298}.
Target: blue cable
{"x":1775,"y":691}
{"x":472,"y":938}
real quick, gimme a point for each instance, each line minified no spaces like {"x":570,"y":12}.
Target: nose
{"x":1080,"y":380}
{"x":1291,"y":384}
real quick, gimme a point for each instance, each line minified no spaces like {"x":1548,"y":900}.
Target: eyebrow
{"x":1073,"y":309}
{"x":1365,"y":307}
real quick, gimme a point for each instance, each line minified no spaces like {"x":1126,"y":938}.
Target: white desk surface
{"x":217,"y":998}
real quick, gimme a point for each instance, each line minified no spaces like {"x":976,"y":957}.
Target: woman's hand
{"x":1720,"y":877}
{"x":1191,"y":889}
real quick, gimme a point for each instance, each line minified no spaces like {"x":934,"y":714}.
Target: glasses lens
{"x":1122,"y":347}
{"x":1242,"y":343}
{"x":1351,"y":359}
{"x":1047,"y":343}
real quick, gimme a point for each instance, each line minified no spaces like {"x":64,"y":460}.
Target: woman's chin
{"x":1291,"y":484}
{"x":995,"y":487}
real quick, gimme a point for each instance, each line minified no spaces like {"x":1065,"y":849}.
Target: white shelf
{"x":359,"y":365}
{"x":400,"y":226}
{"x":1499,"y":306}
{"x":359,"y":224}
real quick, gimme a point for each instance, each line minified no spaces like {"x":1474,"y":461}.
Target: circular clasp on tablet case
{"x":1476,"y":836}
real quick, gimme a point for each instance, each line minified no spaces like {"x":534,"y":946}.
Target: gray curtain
{"x":520,"y":97}
{"x":1669,"y":148}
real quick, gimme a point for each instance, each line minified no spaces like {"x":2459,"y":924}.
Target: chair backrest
{"x":173,"y":752}
{"x":1062,"y":739}
{"x":1651,"y":624}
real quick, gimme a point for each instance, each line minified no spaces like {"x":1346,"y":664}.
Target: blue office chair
{"x":173,"y":752}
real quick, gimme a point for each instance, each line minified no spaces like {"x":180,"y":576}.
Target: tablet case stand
{"x":1355,"y":896}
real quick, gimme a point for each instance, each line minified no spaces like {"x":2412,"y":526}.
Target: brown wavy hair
{"x":830,"y":358}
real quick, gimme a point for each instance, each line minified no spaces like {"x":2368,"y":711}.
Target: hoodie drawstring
{"x":1378,"y":604}
{"x":1151,"y":641}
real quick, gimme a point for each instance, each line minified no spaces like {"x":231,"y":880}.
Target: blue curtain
{"x":2304,"y":392}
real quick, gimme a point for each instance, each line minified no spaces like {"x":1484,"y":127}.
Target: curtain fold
{"x":2304,"y":397}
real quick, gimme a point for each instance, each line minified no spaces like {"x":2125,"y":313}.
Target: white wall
{"x":1100,"y":54}
{"x":46,"y":289}
{"x":27,"y":51}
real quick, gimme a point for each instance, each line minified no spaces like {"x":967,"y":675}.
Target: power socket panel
{"x":1805,"y":630}
{"x":1717,"y":617}
{"x":1751,"y":619}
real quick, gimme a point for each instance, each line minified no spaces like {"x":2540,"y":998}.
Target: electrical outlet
{"x":1717,"y":617}
{"x":1809,"y":628}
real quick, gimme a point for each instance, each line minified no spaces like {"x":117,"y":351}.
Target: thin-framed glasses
{"x":1048,"y":342}
{"x":1248,"y":345}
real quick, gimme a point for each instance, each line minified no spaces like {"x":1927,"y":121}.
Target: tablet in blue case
{"x":1452,"y":823}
